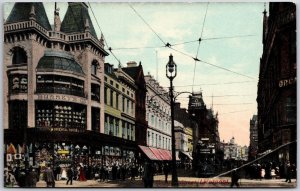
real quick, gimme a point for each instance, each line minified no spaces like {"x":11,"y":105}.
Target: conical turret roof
{"x":21,"y":12}
{"x":75,"y":19}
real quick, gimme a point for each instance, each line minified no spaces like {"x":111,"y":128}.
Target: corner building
{"x":53,"y":86}
{"x":276,"y":96}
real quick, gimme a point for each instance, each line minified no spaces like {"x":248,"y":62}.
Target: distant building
{"x":233,"y":151}
{"x":276,"y":96}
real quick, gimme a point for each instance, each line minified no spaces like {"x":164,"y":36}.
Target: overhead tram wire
{"x":109,"y":48}
{"x":199,"y":46}
{"x":170,"y":46}
{"x":220,"y":67}
{"x":214,"y":84}
{"x":147,"y":24}
{"x":181,"y":43}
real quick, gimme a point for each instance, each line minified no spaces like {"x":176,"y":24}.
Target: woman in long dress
{"x":81,"y":174}
{"x":64,"y":174}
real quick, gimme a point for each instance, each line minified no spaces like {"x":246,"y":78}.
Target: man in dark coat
{"x":31,"y":178}
{"x":166,"y":170}
{"x":70,"y":175}
{"x":148,"y":175}
{"x":288,"y":173}
{"x":234,"y":178}
{"x":49,"y":177}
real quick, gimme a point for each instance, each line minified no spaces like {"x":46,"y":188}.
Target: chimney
{"x":131,"y":64}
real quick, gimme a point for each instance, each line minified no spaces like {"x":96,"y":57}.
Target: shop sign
{"x":65,"y":129}
{"x":66,"y":98}
{"x":63,"y":152}
{"x":286,"y":82}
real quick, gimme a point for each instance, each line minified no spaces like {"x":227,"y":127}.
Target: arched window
{"x":94,"y":67}
{"x":19,"y":56}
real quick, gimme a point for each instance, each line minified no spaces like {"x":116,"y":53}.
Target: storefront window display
{"x":61,"y":115}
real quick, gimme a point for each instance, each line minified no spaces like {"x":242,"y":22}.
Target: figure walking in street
{"x":49,"y":177}
{"x":148,"y":175}
{"x":166,"y":170}
{"x":32,"y":178}
{"x":234,"y":178}
{"x":288,"y":173}
{"x":9,"y":179}
{"x":70,"y":175}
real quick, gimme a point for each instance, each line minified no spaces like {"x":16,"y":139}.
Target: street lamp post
{"x":171,"y":72}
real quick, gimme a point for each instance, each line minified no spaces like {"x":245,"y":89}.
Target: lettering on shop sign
{"x":61,"y":98}
{"x":286,"y":82}
{"x":64,"y":129}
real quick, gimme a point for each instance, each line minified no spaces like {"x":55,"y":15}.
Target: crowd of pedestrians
{"x":271,"y":170}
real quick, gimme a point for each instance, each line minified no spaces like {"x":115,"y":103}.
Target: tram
{"x":204,"y":159}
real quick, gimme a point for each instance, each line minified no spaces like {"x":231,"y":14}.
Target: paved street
{"x":183,"y":182}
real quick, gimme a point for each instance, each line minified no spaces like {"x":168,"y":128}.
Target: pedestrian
{"x":288,"y":173}
{"x":31,"y":178}
{"x":141,"y":171}
{"x":70,"y":175}
{"x":132,"y":172}
{"x":114,"y":172}
{"x":234,"y":178}
{"x":262,"y":173}
{"x":49,"y":177}
{"x":166,"y":170}
{"x":148,"y":175}
{"x":57,"y":172}
{"x":81,"y":174}
{"x":123,"y":171}
{"x":9,"y":179}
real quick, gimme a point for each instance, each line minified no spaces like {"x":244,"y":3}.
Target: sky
{"x":231,"y":36}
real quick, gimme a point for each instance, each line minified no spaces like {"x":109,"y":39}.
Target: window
{"x":106,"y":127}
{"x":132,"y":108}
{"x":123,"y":104}
{"x":96,"y":119}
{"x":129,"y":131}
{"x":94,"y":67}
{"x":127,"y":106}
{"x":148,"y":138}
{"x":18,"y":83}
{"x":61,"y":115}
{"x":17,"y":114}
{"x":117,"y":101}
{"x":19,"y":56}
{"x":152,"y":144}
{"x":291,"y":111}
{"x":105,"y":95}
{"x":95,"y":92}
{"x":123,"y":129}
{"x":111,"y":125}
{"x":111,"y":98}
{"x":117,"y":127}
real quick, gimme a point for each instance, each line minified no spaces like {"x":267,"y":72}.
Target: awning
{"x":157,"y":153}
{"x":166,"y":154}
{"x":187,"y":154}
{"x":148,"y":153}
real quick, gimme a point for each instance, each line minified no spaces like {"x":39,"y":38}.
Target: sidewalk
{"x":187,"y":182}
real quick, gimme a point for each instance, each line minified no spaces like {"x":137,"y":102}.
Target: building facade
{"x":53,"y":87}
{"x":158,"y":115}
{"x":137,"y":73}
{"x":276,"y":96}
{"x":253,"y":138}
